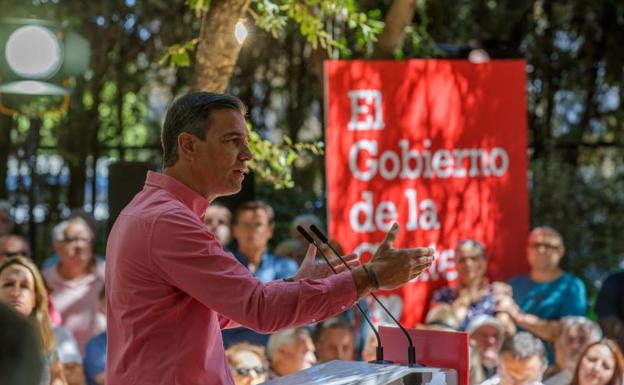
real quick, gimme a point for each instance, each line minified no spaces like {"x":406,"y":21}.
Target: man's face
{"x":248,"y":369}
{"x":253,"y":230}
{"x":489,"y":341}
{"x":544,"y":251}
{"x":335,"y":344}
{"x":75,"y":250}
{"x":6,"y":224}
{"x":13,"y":245}
{"x":218,"y":220}
{"x":514,"y":371}
{"x":570,"y":345}
{"x":218,"y":163}
{"x":298,"y":356}
{"x":471,"y":265}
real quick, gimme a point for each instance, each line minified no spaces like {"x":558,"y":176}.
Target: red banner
{"x":439,"y":146}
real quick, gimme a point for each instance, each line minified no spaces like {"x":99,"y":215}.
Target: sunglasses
{"x":244,"y":372}
{"x":21,"y":253}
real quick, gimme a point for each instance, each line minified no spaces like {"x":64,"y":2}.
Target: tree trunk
{"x":6,"y":124}
{"x":398,"y":18}
{"x":218,"y":49}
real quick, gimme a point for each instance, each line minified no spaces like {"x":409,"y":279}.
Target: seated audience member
{"x":576,"y":333}
{"x":22,"y":288}
{"x":253,"y":228}
{"x":547,"y":293}
{"x":95,"y":353}
{"x":488,"y":334}
{"x":218,"y":220}
{"x":472,"y":295}
{"x":69,"y":354}
{"x":522,"y":361}
{"x":76,"y":281}
{"x":601,"y":363}
{"x":20,"y":357}
{"x":610,"y":307}
{"x":248,"y":364}
{"x":334,"y":340}
{"x":369,"y":350}
{"x":6,"y":220}
{"x":12,"y":246}
{"x":290,"y":351}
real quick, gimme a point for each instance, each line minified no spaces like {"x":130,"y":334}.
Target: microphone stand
{"x":379,"y":350}
{"x":411,"y":351}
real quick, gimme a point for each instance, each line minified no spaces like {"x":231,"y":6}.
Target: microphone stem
{"x":411,"y":352}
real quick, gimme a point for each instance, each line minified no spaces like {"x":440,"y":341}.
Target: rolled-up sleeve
{"x":197,"y":265}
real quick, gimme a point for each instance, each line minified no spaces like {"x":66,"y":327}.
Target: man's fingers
{"x":311,"y":253}
{"x":390,"y":237}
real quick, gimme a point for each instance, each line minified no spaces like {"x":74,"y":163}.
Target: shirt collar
{"x":182,"y":192}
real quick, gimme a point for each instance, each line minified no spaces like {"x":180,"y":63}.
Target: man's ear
{"x":187,"y":146}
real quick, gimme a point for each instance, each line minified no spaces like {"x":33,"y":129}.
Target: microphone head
{"x":319,"y":233}
{"x":305,"y":234}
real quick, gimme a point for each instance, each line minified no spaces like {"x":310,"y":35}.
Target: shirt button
{"x":313,"y":319}
{"x":343,"y":307}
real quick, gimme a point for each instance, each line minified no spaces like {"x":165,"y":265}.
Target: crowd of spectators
{"x":533,"y":329}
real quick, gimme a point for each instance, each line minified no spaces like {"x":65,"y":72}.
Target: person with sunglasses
{"x":538,"y":300}
{"x":248,"y":363}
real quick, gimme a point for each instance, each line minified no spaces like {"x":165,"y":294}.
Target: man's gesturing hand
{"x":394,"y":267}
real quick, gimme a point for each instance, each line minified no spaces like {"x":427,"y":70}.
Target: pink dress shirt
{"x":171,"y":289}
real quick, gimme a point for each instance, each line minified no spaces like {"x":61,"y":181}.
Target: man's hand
{"x":311,"y":268}
{"x":394,"y":267}
{"x":506,"y":304}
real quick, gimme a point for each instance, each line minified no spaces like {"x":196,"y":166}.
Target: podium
{"x":362,"y":373}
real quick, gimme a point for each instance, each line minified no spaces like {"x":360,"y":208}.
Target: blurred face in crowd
{"x":471,"y":265}
{"x":75,"y":250}
{"x":248,"y":369}
{"x":571,"y":344}
{"x":489,"y":341}
{"x":597,"y":366}
{"x":545,"y":250}
{"x":13,"y":246}
{"x":516,"y":371}
{"x":17,"y":289}
{"x":335,"y":344}
{"x":218,"y":220}
{"x":253,"y":230}
{"x":6,"y":224}
{"x":295,"y":357}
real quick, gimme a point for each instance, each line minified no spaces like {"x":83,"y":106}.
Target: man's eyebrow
{"x":233,"y":134}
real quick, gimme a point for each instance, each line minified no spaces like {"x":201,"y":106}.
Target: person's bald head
{"x":13,"y":245}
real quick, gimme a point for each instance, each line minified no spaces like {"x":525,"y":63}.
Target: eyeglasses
{"x":21,"y":253}
{"x":245,"y":372}
{"x":78,"y":239}
{"x":548,"y":246}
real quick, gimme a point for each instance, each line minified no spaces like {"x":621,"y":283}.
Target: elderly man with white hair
{"x":75,"y":283}
{"x":576,"y":333}
{"x":290,"y":351}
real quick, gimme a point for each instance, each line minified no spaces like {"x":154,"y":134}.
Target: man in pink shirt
{"x":170,"y":286}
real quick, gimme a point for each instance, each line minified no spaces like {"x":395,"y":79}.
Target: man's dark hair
{"x":20,"y":351}
{"x":191,"y":113}
{"x":523,"y":345}
{"x":253,"y":206}
{"x":332,"y":323}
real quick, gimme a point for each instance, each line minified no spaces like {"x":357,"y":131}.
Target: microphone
{"x":411,"y":351}
{"x":379,"y":350}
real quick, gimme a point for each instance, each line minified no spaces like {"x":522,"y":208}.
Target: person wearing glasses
{"x":522,"y":361}
{"x":538,"y":300}
{"x":248,"y":363}
{"x":13,"y":246}
{"x":76,"y":281}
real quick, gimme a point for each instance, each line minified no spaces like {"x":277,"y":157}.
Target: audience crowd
{"x":532,"y":329}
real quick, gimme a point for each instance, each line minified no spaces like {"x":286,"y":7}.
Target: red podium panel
{"x":434,"y":348}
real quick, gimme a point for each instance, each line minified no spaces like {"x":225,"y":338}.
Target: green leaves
{"x":178,"y":54}
{"x":274,"y":163}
